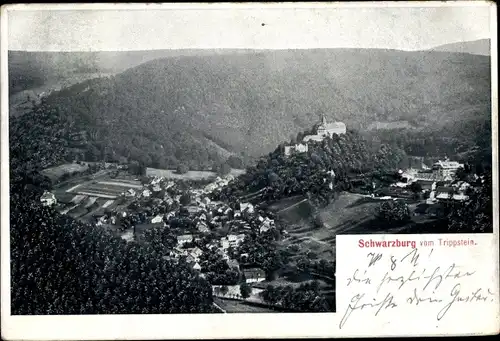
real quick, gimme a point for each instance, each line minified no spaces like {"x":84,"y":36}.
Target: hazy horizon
{"x":250,"y":49}
{"x":407,"y":28}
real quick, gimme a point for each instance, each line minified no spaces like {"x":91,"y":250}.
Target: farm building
{"x":48,"y":199}
{"x":254,"y":275}
{"x":235,"y":240}
{"x":185,"y":238}
{"x":157,"y":219}
{"x":449,"y":194}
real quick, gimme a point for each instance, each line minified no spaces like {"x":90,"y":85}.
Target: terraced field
{"x":106,"y":189}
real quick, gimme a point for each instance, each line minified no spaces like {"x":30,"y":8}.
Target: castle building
{"x":323,"y":130}
{"x":298,"y":148}
{"x":326,"y":129}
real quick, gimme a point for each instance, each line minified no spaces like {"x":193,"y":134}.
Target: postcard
{"x":249,"y":170}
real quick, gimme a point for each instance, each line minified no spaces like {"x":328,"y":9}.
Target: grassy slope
{"x":349,"y":214}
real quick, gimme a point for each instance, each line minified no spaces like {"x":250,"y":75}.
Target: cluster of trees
{"x":216,"y":269}
{"x":393,"y":212}
{"x":305,"y":298}
{"x":475,"y":214}
{"x":162,"y":240}
{"x":322,"y":267}
{"x":262,"y":251}
{"x":463,"y":140}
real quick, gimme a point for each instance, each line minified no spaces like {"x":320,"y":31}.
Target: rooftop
{"x":254,"y":272}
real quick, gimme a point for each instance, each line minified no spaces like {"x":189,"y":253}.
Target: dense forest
{"x":61,"y":266}
{"x":468,"y":142}
{"x":199,"y":110}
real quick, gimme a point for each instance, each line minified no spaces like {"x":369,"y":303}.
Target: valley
{"x":234,"y":171}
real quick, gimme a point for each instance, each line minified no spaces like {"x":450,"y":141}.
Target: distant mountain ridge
{"x":479,"y":47}
{"x":28,"y":69}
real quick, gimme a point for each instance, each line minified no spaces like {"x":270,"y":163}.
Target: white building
{"x":48,"y":199}
{"x":446,"y":168}
{"x":298,"y":148}
{"x":247,"y":207}
{"x":235,"y":240}
{"x":202,"y":227}
{"x":157,"y":219}
{"x":130,"y":193}
{"x":186,"y":238}
{"x":224,"y":242}
{"x":326,"y":129}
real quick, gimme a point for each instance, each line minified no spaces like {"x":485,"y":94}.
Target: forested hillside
{"x":201,"y":109}
{"x":30,"y":69}
{"x":310,"y":174}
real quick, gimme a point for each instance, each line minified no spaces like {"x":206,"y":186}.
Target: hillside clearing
{"x":190,"y":175}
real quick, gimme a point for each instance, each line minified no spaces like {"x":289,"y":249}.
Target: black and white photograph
{"x":204,"y":160}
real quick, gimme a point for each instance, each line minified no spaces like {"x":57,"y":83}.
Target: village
{"x":202,"y":227}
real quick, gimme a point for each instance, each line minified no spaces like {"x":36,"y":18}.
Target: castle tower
{"x":323,"y":119}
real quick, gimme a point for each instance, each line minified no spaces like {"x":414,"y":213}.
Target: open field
{"x":57,"y":172}
{"x":105,"y":189}
{"x":122,"y":183}
{"x":237,"y":172}
{"x":291,"y":281}
{"x":191,"y":175}
{"x":285,"y":203}
{"x":88,"y":197}
{"x":171,"y":174}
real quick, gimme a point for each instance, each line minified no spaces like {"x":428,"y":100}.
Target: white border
{"x":245,"y":5}
{"x":189,"y":326}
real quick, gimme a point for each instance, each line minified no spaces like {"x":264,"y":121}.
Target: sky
{"x":147,"y":27}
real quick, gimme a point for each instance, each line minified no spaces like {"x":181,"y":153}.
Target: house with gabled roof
{"x":48,"y":199}
{"x":254,"y":275}
{"x":185,"y":238}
